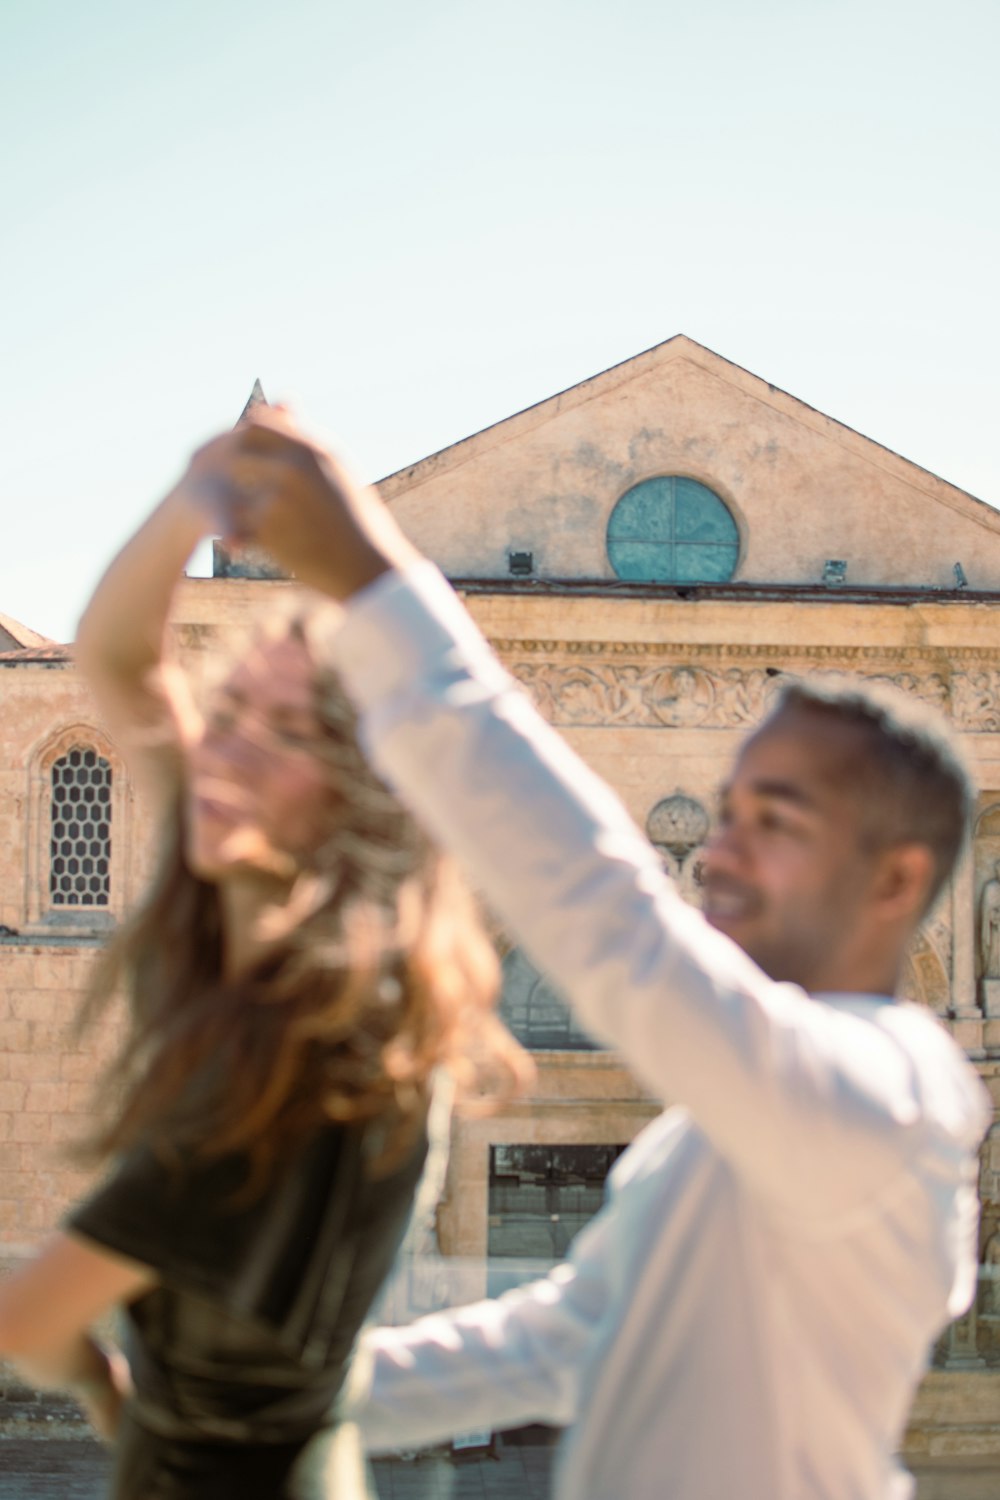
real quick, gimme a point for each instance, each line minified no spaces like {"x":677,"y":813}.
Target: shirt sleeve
{"x":176,"y":1218}
{"x":495,"y":1364}
{"x":814,"y":1105}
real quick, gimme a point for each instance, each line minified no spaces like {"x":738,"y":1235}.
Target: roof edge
{"x":802,"y":593}
{"x":23,"y":634}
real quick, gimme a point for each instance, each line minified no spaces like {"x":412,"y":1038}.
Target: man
{"x":751,"y":1311}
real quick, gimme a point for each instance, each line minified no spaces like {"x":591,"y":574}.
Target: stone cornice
{"x":937,"y":658}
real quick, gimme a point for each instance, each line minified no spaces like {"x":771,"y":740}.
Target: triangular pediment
{"x":14,"y":636}
{"x":803,"y":489}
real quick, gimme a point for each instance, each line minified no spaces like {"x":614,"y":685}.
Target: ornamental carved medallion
{"x":679,"y":697}
{"x":678,"y":823}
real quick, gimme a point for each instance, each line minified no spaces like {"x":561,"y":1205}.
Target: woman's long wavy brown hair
{"x":378,"y":971}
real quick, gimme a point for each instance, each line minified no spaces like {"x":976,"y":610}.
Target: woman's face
{"x":258,"y":794}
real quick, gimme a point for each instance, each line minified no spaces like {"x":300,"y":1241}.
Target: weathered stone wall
{"x":46,"y":1083}
{"x":46,"y":1077}
{"x":955,"y":1417}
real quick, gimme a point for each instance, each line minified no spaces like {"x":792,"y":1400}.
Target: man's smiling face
{"x":788,"y":871}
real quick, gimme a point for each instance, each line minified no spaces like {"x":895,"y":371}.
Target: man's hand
{"x":274,"y":487}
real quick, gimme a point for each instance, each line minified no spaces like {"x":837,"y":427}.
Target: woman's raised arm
{"x":120,"y":639}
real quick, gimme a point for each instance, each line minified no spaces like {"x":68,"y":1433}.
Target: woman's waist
{"x":323,"y":1462}
{"x":211,"y":1407}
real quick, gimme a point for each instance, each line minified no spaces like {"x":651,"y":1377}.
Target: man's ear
{"x":903,"y":882}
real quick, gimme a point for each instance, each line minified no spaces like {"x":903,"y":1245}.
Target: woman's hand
{"x":102,"y":1396}
{"x":47,"y":1307}
{"x":120,"y":639}
{"x":274,"y":487}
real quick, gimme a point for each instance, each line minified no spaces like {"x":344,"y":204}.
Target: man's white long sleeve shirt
{"x":751,"y":1311}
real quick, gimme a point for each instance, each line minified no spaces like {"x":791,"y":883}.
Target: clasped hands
{"x":267,"y":483}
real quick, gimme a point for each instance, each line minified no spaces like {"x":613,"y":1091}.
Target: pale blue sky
{"x":416,"y":218}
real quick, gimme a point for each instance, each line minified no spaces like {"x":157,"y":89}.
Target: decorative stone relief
{"x":691,"y":695}
{"x":987,"y":904}
{"x":581,"y":695}
{"x":989,"y":1273}
{"x":925,"y":974}
{"x":989,"y":927}
{"x":929,"y":687}
{"x":748,"y":695}
{"x":675,"y":697}
{"x":686,"y":874}
{"x":678,"y":823}
{"x":678,"y":826}
{"x":975,"y":701}
{"x":679,"y":696}
{"x":939,"y":935}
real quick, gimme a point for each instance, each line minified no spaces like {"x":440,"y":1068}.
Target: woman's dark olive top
{"x":247,"y":1336}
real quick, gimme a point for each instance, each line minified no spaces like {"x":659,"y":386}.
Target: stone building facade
{"x":650,"y":553}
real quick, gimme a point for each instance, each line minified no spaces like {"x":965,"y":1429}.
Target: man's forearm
{"x":494,"y":1364}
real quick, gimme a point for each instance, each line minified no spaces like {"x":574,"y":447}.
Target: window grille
{"x":80,"y":848}
{"x":540,"y":1197}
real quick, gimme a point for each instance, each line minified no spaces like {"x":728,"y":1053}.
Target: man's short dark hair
{"x":911,"y":778}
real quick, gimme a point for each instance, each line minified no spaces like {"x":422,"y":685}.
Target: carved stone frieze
{"x":975,"y":700}
{"x":573,"y":694}
{"x":729,"y":687}
{"x":676,"y":697}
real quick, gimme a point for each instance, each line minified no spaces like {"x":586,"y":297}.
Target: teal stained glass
{"x":672,"y":530}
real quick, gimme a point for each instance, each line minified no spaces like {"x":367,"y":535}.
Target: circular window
{"x":672,"y":530}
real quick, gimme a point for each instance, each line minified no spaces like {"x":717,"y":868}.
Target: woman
{"x":302,"y":964}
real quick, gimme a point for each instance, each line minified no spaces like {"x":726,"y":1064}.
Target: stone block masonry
{"x":47,"y":1079}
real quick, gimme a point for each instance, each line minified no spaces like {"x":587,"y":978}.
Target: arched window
{"x":536,"y":1014}
{"x":79,"y":807}
{"x":672,"y":530}
{"x":80,"y":842}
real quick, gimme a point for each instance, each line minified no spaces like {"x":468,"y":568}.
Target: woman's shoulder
{"x":204,"y":1223}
